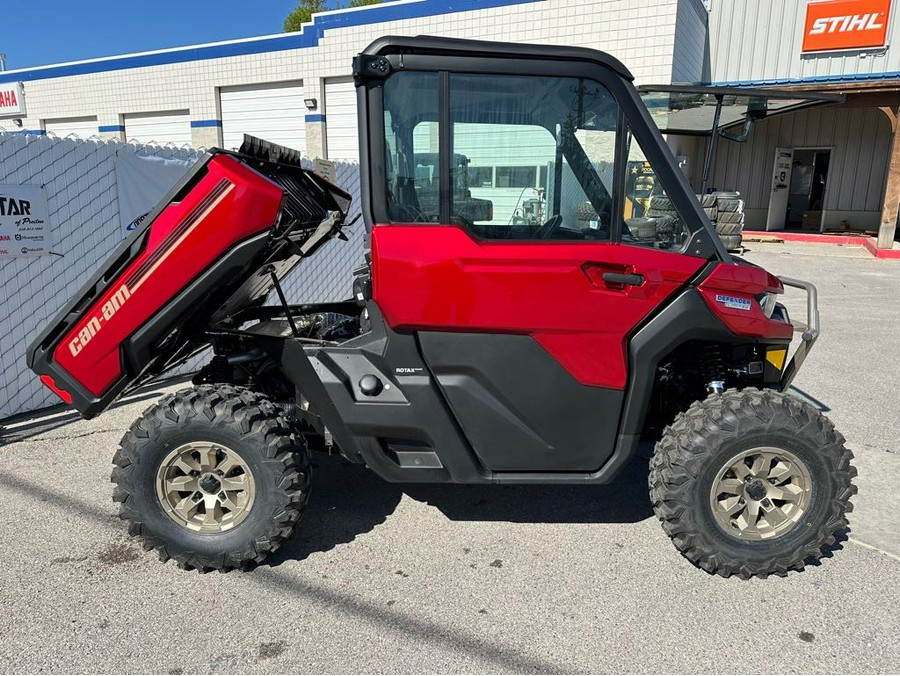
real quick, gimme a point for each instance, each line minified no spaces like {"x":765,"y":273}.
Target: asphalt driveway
{"x":383,"y":578}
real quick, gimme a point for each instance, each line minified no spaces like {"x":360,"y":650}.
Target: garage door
{"x":272,"y":112}
{"x":169,"y":127}
{"x":340,"y":120}
{"x":82,"y":127}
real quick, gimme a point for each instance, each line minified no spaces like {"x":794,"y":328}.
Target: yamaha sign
{"x":12,"y":100}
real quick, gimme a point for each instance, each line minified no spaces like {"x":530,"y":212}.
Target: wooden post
{"x":891,"y":188}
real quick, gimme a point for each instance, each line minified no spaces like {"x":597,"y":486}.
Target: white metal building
{"x":295,"y":88}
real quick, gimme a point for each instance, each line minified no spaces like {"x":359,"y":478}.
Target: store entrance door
{"x":806,"y":197}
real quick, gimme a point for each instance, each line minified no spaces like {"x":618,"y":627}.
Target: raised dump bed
{"x":207,"y":252}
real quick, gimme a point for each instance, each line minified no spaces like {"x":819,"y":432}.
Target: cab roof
{"x":429,"y":44}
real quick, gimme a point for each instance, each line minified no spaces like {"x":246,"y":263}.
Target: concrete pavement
{"x":384,"y":578}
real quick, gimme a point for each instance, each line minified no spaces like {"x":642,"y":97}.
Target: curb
{"x":868,"y":243}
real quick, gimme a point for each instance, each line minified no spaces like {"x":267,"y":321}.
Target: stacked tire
{"x":710,"y":206}
{"x":729,"y":219}
{"x":663,"y":214}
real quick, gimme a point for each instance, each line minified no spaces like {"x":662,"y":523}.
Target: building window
{"x":516,"y":177}
{"x":481,"y":177}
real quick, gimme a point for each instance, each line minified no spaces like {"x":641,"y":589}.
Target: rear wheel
{"x":212,"y":478}
{"x":751,"y":483}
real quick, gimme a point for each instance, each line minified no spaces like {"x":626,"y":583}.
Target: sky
{"x":39,"y":32}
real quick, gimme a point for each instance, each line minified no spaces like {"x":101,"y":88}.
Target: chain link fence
{"x":79,"y":179}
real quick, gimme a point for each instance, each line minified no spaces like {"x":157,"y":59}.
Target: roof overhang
{"x":695,"y":110}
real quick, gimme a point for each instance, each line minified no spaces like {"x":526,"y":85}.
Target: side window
{"x":650,"y":218}
{"x":532,"y":157}
{"x":412,"y":170}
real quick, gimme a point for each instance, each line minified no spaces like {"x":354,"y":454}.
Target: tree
{"x":304,"y":10}
{"x":302,"y":14}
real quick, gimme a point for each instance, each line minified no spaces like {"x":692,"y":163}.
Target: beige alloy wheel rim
{"x":761,"y":493}
{"x":205,"y":487}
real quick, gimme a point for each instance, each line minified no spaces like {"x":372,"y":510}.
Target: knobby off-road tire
{"x":245,"y":434}
{"x":695,"y":453}
{"x":732,"y":242}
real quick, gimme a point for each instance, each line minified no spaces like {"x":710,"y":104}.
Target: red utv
{"x":504,"y":345}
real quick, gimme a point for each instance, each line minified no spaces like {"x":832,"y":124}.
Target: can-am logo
{"x":845,"y":24}
{"x":96,"y":322}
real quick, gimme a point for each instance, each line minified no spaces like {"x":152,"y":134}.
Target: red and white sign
{"x":12,"y":102}
{"x":845,"y":24}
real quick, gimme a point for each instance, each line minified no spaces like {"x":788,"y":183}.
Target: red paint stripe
{"x":868,"y":243}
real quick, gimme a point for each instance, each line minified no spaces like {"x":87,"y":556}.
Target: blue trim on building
{"x":308,"y":37}
{"x":818,"y":79}
{"x":111,"y":128}
{"x":27,"y":132}
{"x":206,"y":123}
{"x":315,"y":117}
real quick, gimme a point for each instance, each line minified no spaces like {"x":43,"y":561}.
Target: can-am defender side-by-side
{"x":497,"y":344}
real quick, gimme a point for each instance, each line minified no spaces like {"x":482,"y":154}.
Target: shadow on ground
{"x":60,"y":415}
{"x":349,"y":500}
{"x":286,"y":584}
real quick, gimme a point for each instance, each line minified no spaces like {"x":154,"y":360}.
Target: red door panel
{"x":440,"y":278}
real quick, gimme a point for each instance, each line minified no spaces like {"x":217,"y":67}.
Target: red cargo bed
{"x":203,"y":255}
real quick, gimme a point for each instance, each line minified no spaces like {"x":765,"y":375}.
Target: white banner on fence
{"x":142,"y":181}
{"x":24,"y":220}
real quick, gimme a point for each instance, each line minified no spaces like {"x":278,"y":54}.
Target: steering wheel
{"x":548,"y":229}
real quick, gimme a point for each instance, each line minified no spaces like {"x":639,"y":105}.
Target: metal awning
{"x":697,"y":110}
{"x":730,"y":112}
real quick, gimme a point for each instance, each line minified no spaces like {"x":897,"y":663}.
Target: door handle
{"x":623,"y":279}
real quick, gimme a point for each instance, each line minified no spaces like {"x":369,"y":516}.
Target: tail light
{"x":58,"y":391}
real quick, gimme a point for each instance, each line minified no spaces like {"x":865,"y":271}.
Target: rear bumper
{"x":809,"y":332}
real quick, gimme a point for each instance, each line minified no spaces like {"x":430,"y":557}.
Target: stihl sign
{"x":845,"y":24}
{"x":11,"y":100}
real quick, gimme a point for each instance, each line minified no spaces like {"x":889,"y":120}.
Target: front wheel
{"x":751,"y":483}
